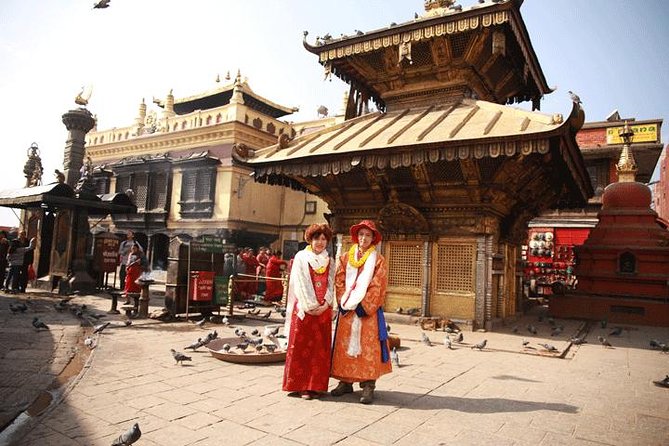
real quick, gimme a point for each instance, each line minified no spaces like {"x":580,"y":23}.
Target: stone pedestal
{"x":144,"y":298}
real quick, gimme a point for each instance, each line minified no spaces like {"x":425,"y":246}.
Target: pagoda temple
{"x":449,"y":170}
{"x":623,"y":266}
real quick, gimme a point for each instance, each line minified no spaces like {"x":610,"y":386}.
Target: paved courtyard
{"x":503,"y":395}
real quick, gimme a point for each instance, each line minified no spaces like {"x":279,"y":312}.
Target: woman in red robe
{"x":309,"y":317}
{"x":274,"y":286}
{"x":133,"y":269}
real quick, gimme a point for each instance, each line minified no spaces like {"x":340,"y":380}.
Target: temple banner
{"x":642,"y":133}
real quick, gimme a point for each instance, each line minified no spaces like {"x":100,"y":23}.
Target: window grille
{"x":455,"y":268}
{"x":141,"y":189}
{"x":405,"y":265}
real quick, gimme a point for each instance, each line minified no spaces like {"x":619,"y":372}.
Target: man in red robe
{"x":274,"y":286}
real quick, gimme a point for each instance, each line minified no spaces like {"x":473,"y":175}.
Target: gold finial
{"x":218,"y":78}
{"x":227,"y":76}
{"x":435,"y":4}
{"x":626,"y":166}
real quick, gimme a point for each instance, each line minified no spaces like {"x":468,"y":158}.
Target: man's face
{"x":130,"y":235}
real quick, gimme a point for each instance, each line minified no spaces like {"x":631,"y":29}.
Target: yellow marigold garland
{"x":358,"y":263}
{"x":320,"y":270}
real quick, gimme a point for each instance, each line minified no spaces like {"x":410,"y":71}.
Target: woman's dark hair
{"x":315,"y":231}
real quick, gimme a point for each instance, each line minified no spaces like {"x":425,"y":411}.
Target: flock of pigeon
{"x":255,"y":342}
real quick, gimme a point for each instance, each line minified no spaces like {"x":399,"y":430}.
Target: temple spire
{"x":626,"y":166}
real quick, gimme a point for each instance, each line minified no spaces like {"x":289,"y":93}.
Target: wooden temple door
{"x":453,"y":278}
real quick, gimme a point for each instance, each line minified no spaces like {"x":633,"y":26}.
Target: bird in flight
{"x":101,"y":4}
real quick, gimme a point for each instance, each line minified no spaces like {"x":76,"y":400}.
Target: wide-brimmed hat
{"x":369,"y":224}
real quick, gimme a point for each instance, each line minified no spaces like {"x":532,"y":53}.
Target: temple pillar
{"x":78,"y":122}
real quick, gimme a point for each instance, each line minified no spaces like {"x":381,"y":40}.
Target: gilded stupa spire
{"x":626,"y":166}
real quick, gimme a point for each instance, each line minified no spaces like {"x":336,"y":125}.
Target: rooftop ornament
{"x":626,"y":166}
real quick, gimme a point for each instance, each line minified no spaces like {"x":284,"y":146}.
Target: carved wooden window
{"x":599,"y":177}
{"x":627,"y":263}
{"x":257,"y":123}
{"x":122,"y":183}
{"x":158,"y":196}
{"x":455,"y":268}
{"x":140,"y":187}
{"x":405,"y":264}
{"x":271,"y":128}
{"x":197,"y":192}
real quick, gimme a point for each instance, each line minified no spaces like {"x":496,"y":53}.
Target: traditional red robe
{"x":132,"y":273}
{"x":308,"y":354}
{"x":274,"y":288}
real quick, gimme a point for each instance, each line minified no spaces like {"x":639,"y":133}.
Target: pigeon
{"x":195,"y":345}
{"x":180,"y":357}
{"x":39,"y":324}
{"x":267,"y":315}
{"x":557,"y":330}
{"x":514,"y":329}
{"x":201,"y":323}
{"x":388,"y":328}
{"x":100,"y":328}
{"x":259,"y":348}
{"x":60,"y":306}
{"x":270,"y":347}
{"x":481,"y":345}
{"x":574,"y":97}
{"x":578,"y":341}
{"x":549,"y":347}
{"x":225,"y":320}
{"x":242,"y":346}
{"x":425,"y":340}
{"x":604,"y":341}
{"x":399,"y":310}
{"x":526,"y":342}
{"x":255,"y":332}
{"x":239,"y":332}
{"x":128,"y":437}
{"x":269,"y":332}
{"x":127,"y":323}
{"x":460,"y":338}
{"x":214,"y":334}
{"x":654,"y":343}
{"x":16,"y":308}
{"x":664,"y":348}
{"x":226,"y":347}
{"x":616,"y":331}
{"x":102,"y":4}
{"x":394,"y":357}
{"x":89,"y":342}
{"x":447,"y":343}
{"x":532,"y":329}
{"x":448,"y":330}
{"x":456,"y":8}
{"x":662,"y":383}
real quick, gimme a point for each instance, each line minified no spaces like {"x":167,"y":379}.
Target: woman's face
{"x":365,"y":238}
{"x":319,"y":243}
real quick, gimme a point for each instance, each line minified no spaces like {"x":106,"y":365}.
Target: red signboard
{"x":106,"y":253}
{"x":201,"y":285}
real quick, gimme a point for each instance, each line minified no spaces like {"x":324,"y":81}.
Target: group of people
{"x":17,"y":254}
{"x":249,"y":269}
{"x":353,"y":291}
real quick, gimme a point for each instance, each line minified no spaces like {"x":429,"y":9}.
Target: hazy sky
{"x":611,"y":52}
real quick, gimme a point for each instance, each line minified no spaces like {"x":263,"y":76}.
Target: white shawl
{"x":301,"y":294}
{"x":356,"y":289}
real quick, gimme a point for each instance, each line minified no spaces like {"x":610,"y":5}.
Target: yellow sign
{"x":642,"y":133}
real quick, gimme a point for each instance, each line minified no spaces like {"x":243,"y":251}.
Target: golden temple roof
{"x":465,"y":122}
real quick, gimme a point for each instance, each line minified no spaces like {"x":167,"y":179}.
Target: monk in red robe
{"x":309,"y":317}
{"x":360,"y":349}
{"x":274,"y":286}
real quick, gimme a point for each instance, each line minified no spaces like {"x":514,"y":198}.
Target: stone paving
{"x":503,"y":395}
